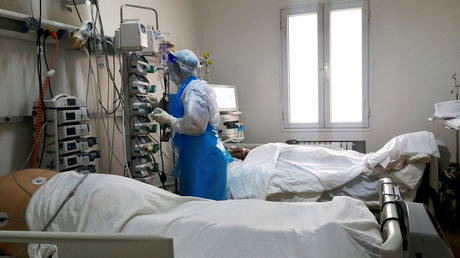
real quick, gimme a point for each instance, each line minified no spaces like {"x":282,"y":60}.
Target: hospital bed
{"x":426,"y":193}
{"x":431,"y":176}
{"x":407,"y":229}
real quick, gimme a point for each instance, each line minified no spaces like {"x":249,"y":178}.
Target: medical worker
{"x":202,"y":164}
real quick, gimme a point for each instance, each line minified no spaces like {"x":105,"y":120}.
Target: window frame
{"x":323,"y":13}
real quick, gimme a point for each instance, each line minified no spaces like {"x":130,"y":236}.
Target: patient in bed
{"x":199,"y":227}
{"x":281,"y":172}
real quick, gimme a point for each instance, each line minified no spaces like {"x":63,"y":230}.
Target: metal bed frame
{"x":113,"y":245}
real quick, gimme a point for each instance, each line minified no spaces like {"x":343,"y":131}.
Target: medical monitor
{"x":227,"y":99}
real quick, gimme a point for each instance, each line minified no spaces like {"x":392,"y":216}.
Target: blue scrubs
{"x":202,"y":164}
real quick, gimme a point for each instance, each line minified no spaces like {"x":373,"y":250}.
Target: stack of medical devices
{"x":230,"y":128}
{"x":66,"y":143}
{"x":139,"y":126}
{"x":136,"y":41}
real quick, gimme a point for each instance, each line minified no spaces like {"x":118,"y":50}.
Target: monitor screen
{"x":226,"y":97}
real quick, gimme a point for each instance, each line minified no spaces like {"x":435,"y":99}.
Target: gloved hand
{"x":161,"y":116}
{"x":153,"y":101}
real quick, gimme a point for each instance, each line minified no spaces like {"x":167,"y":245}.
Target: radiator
{"x":359,"y":146}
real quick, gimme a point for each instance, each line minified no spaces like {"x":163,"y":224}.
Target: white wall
{"x":176,"y":17}
{"x":414,"y":48}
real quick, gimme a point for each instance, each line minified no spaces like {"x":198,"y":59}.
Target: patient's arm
{"x":16,"y":189}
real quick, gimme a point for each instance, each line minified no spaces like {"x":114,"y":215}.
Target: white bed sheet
{"x":304,"y":173}
{"x":343,"y":227}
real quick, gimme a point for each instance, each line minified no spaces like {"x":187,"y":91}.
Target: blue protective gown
{"x":202,"y":165}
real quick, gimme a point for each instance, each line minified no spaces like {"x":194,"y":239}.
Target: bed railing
{"x":389,"y":220}
{"x":359,"y":146}
{"x":104,"y":245}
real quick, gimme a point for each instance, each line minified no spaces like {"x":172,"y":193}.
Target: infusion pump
{"x":66,"y":142}
{"x":230,"y":128}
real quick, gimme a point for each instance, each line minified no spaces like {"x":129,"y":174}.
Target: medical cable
{"x":105,"y":53}
{"x":3,"y":219}
{"x":47,"y":33}
{"x":25,"y":163}
{"x":137,"y":143}
{"x":104,"y":123}
{"x":161,"y":152}
{"x":67,"y":198}
{"x":61,"y":206}
{"x":399,"y":210}
{"x":90,"y":72}
{"x":101,"y":106}
{"x":76,"y":9}
{"x":40,"y":113}
{"x":19,"y":185}
{"x":113,"y":121}
{"x":31,"y":9}
{"x":104,"y":47}
{"x":126,"y":168}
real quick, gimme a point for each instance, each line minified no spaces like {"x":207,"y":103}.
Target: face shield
{"x":182,"y":65}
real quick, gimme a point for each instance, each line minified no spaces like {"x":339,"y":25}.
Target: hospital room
{"x":217,"y":128}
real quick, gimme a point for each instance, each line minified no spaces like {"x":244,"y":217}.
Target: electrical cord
{"x":109,"y":72}
{"x":90,"y":72}
{"x":104,"y":47}
{"x":61,"y":206}
{"x":105,"y":123}
{"x":31,"y":9}
{"x":19,"y":185}
{"x":46,"y":62}
{"x":98,"y":100}
{"x":67,"y":198}
{"x":22,"y":187}
{"x":76,"y":9}
{"x":40,"y":85}
{"x":40,"y":113}
{"x":98,"y":90}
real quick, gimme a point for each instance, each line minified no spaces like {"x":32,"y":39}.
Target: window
{"x":325,"y":66}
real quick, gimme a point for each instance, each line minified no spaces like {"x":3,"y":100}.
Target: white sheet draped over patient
{"x":343,"y":227}
{"x":280,"y":168}
{"x":308,"y":172}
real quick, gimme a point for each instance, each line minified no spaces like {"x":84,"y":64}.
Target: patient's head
{"x":238,"y":152}
{"x":16,"y":189}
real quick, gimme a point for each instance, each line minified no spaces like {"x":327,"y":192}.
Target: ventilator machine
{"x":230,"y":127}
